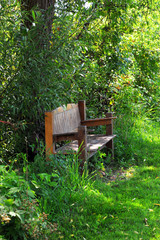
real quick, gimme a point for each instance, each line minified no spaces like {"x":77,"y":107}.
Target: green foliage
{"x":31,"y":81}
{"x":55,"y":182}
{"x":14,"y":192}
{"x":135,"y":133}
{"x":106,"y":52}
{"x":90,"y":51}
{"x":20,"y":216}
{"x":76,"y":203}
{"x":126,"y":196}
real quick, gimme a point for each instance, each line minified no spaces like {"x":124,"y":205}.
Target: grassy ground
{"x":120,"y":201}
{"x":126,"y":204}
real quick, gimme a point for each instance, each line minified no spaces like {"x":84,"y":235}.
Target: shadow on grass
{"x":126,"y":209}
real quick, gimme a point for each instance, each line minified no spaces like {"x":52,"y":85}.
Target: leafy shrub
{"x":78,"y":60}
{"x":20,"y":217}
{"x":31,"y":80}
{"x":55,"y":180}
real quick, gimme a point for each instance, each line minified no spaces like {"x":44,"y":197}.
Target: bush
{"x":20,"y":217}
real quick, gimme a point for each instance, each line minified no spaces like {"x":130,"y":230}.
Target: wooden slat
{"x":66,"y":121}
{"x":60,"y":109}
{"x":65,"y":137}
{"x":97,"y":122}
{"x":94,"y":142}
{"x":71,"y":105}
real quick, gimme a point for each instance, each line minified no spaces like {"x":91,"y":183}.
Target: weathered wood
{"x":71,"y":105}
{"x":50,"y":147}
{"x":82,"y":145}
{"x":66,"y":121}
{"x":94,"y":143}
{"x":96,"y":122}
{"x":70,"y":124}
{"x":109,"y":131}
{"x":109,"y":127}
{"x":65,"y":137}
{"x":82,"y":109}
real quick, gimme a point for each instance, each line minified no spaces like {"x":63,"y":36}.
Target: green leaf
{"x":53,"y":184}
{"x":35,"y":184}
{"x":31,"y":193}
{"x":9,"y":202}
{"x":33,"y":15}
{"x":14,"y":190}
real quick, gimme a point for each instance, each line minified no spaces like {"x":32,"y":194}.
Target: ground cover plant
{"x":123,"y":204}
{"x":119,"y":203}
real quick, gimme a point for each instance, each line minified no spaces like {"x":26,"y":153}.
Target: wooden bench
{"x":70,"y":124}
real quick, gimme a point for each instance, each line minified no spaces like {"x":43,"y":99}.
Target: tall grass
{"x":126,"y":206}
{"x":137,"y":139}
{"x":65,"y":205}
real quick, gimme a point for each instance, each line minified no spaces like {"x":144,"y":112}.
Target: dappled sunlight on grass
{"x":126,"y":211}
{"x":136,"y":202}
{"x":137,"y":142}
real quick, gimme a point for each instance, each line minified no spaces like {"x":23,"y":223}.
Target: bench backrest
{"x":66,"y":120}
{"x":63,"y":120}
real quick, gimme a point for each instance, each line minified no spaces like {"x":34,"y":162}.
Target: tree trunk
{"x":45,"y":6}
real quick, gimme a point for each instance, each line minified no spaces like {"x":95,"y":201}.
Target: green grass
{"x":122,"y":204}
{"x":129,"y":206}
{"x":116,"y":210}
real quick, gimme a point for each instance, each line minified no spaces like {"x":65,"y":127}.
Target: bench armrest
{"x":97,"y":121}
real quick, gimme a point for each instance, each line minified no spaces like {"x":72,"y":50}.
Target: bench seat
{"x":95,"y":142}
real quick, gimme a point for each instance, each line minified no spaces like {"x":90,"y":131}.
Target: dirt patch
{"x":115,"y":175}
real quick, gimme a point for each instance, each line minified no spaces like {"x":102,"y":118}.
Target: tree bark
{"x":47,"y":8}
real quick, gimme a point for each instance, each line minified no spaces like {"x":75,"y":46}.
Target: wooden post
{"x":82,"y":109}
{"x":50,"y":148}
{"x":109,"y":131}
{"x":82,"y":135}
{"x":82,"y":145}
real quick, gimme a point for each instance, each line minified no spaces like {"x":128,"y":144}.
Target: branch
{"x":8,"y":123}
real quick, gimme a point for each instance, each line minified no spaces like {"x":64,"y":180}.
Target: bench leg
{"x":110,"y":146}
{"x":109,"y":131}
{"x":82,"y":145}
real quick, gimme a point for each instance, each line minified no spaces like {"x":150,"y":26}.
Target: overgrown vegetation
{"x":53,"y":201}
{"x":106,"y":52}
